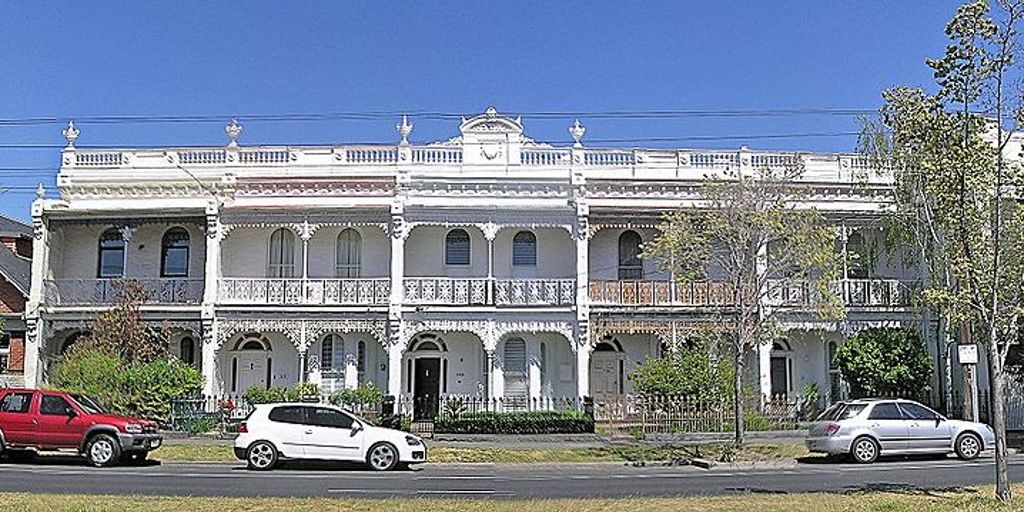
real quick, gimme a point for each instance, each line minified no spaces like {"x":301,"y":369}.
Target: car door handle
{"x":309,"y":431}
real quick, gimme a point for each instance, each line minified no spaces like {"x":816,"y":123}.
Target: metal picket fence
{"x":639,"y":416}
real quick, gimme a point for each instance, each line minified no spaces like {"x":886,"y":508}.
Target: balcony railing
{"x":659,"y":293}
{"x":534,"y":292}
{"x":446,"y":290}
{"x":98,"y":292}
{"x":244,"y":290}
{"x":854,"y":293}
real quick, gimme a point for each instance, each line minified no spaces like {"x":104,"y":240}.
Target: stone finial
{"x":40,"y":191}
{"x":404,"y":130}
{"x":70,"y":133}
{"x":576,"y":131}
{"x":234,"y":129}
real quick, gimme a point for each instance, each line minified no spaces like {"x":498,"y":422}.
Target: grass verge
{"x":960,"y":500}
{"x":633,"y":453}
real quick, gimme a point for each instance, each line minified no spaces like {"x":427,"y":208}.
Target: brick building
{"x":15,"y":282}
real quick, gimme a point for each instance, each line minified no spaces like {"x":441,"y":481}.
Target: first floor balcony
{"x":297,"y":291}
{"x":488,"y":292}
{"x":104,"y":292}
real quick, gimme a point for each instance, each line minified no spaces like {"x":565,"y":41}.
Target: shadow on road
{"x":70,"y":461}
{"x":844,"y":459}
{"x":317,"y":465}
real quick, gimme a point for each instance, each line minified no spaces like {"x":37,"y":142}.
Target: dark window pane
{"x":322,"y":417}
{"x":188,"y":351}
{"x":54,"y":405}
{"x":16,"y":402}
{"x":917,"y":412}
{"x":885,"y":411}
{"x":630,"y":266}
{"x":287,"y":415}
{"x":174,"y":256}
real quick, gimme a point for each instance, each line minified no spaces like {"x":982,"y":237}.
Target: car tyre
{"x":864,"y":450}
{"x":103,"y":450}
{"x":968,"y":446}
{"x":20,"y":456}
{"x":261,"y":456}
{"x":382,"y":457}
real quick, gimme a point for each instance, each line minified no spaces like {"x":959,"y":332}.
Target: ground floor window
{"x":5,"y":351}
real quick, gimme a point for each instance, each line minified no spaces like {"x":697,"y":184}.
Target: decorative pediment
{"x":490,"y":122}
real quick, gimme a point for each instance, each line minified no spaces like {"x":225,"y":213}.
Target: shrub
{"x":555,"y":422}
{"x":365,"y":396}
{"x":885,"y":362}
{"x":692,"y":371}
{"x":143,"y":389}
{"x":272,"y":394}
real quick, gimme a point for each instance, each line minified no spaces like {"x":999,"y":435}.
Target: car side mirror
{"x":71,"y":413}
{"x":356,"y":427}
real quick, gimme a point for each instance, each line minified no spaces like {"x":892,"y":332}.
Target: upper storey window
{"x":111,"y":254}
{"x":524,"y":249}
{"x":630,"y":266}
{"x":174,"y":253}
{"x":456,"y":247}
{"x":348,"y":253}
{"x":282,"y":254}
{"x":858,"y":259}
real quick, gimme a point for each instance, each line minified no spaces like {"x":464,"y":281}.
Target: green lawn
{"x":752,"y":452}
{"x":969,"y":500}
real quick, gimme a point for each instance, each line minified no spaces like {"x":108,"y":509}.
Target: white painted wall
{"x":604,"y":255}
{"x":556,"y":255}
{"x":424,"y":253}
{"x":74,"y":251}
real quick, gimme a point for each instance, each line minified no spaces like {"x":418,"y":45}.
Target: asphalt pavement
{"x":606,"y":480}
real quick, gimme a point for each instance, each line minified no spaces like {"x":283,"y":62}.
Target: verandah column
{"x":399,"y":231}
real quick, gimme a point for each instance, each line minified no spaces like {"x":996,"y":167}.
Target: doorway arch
{"x":252,"y":363}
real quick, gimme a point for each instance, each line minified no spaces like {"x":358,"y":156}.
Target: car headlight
{"x":133,"y":428}
{"x":413,"y":440}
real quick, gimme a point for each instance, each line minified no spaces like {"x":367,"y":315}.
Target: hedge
{"x":560,"y":422}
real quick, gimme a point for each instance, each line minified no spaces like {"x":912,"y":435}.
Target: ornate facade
{"x":488,"y":264}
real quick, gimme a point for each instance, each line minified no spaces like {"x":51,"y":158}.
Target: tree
{"x":772,"y":252}
{"x":956,"y":192}
{"x":885,"y":362}
{"x":125,"y":363}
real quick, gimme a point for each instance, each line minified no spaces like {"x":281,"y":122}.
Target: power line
{"x":436,"y":115}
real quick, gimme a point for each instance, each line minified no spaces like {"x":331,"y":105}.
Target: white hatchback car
{"x":273,"y":432}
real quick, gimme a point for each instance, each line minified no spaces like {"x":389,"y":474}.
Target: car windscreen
{"x":841,"y":412}
{"x":91,"y":406}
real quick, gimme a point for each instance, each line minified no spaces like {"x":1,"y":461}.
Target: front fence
{"x":639,"y":416}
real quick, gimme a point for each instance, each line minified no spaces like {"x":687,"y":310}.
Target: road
{"x":65,"y":475}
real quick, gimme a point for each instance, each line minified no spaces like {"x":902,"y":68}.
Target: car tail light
{"x":243,"y":428}
{"x":831,"y":429}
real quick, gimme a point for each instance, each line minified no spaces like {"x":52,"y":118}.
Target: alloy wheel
{"x":383,"y":457}
{"x":101,"y":451}
{"x":261,"y":456}
{"x":865,"y":450}
{"x":969,"y":447}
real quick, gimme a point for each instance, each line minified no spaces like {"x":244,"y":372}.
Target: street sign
{"x":968,"y":354}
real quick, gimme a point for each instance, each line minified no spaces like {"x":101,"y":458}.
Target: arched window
{"x":187,"y":350}
{"x":361,"y":359}
{"x":282,"y":254}
{"x":111,"y":254}
{"x":327,"y":352}
{"x":349,"y":251}
{"x":524,"y":249}
{"x":174,"y":253}
{"x":857,"y":257}
{"x":456,"y":247}
{"x":630,"y":266}
{"x":516,"y":378}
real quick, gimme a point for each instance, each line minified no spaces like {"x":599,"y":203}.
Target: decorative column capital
{"x":490,"y":230}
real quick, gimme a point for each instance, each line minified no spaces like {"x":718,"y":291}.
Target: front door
{"x":252,"y":372}
{"x":605,"y":379}
{"x":333,"y":437}
{"x":428,"y":387}
{"x":780,"y":377}
{"x":59,"y":424}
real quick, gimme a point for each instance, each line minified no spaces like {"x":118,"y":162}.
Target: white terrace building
{"x":486,"y":265}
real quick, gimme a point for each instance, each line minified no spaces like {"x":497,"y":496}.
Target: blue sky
{"x":74,"y":59}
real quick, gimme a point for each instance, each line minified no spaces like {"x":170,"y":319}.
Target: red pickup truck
{"x":34,"y":420}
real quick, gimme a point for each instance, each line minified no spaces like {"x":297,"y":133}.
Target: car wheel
{"x":864,"y":450}
{"x":968,"y":446}
{"x":20,"y":456}
{"x":261,"y":456}
{"x":382,"y":457}
{"x":102,"y":450}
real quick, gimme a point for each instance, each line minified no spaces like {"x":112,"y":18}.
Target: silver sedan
{"x":868,"y":428}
